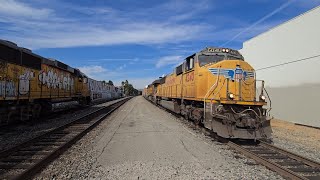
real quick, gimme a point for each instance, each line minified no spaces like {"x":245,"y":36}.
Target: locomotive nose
{"x":234,"y":80}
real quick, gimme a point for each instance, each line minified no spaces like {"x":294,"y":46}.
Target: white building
{"x":295,"y":39}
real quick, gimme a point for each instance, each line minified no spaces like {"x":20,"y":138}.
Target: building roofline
{"x":288,"y":21}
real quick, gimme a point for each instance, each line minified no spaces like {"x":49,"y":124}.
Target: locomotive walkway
{"x":141,"y":141}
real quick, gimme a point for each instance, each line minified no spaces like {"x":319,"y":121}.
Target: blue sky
{"x":137,"y":40}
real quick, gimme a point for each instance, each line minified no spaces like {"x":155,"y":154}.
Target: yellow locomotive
{"x":217,"y":88}
{"x":30,"y":84}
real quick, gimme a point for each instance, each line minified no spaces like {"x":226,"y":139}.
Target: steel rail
{"x":19,"y":162}
{"x":297,"y":157}
{"x":269,"y":164}
{"x":280,"y":167}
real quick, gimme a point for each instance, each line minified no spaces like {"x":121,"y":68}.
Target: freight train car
{"x":30,"y":84}
{"x":100,"y":90}
{"x":216,"y":88}
{"x":149,"y":91}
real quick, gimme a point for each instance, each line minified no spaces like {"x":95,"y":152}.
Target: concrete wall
{"x":296,"y":39}
{"x":288,"y":105}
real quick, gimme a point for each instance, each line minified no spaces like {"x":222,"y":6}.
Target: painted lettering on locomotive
{"x":217,"y":88}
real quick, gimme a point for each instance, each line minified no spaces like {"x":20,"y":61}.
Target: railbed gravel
{"x":24,"y":132}
{"x":79,"y":162}
{"x":304,"y":141}
{"x":309,"y":152}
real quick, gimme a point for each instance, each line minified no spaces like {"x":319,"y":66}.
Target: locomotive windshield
{"x":206,"y":59}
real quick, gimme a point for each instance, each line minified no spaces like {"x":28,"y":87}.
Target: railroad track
{"x":26,"y":159}
{"x":287,"y":164}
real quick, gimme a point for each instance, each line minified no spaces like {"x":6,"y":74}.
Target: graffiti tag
{"x":7,"y":89}
{"x":24,"y":82}
{"x":52,"y":80}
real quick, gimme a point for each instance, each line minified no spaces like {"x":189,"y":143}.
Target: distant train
{"x":30,"y":84}
{"x":216,"y":88}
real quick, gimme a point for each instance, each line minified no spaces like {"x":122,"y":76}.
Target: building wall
{"x":288,"y":105}
{"x":296,"y":39}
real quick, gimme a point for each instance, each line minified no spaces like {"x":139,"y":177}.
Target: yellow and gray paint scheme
{"x":217,"y":88}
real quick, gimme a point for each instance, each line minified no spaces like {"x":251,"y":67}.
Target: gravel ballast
{"x":141,"y":141}
{"x":23,"y":132}
{"x":301,"y":140}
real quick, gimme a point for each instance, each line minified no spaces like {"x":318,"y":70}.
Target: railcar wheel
{"x":24,"y":114}
{"x":4,"y":119}
{"x":36,"y":111}
{"x":186,"y":117}
{"x":197,"y":122}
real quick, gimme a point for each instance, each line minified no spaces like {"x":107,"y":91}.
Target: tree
{"x":128,"y":89}
{"x":110,"y":82}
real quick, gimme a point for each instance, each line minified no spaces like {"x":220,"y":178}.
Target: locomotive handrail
{"x":217,"y":93}
{"x":219,"y":89}
{"x":263,"y":89}
{"x":207,"y":94}
{"x":268,"y":99}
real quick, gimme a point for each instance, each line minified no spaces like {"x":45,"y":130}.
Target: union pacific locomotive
{"x":31,"y":84}
{"x":218,"y":89}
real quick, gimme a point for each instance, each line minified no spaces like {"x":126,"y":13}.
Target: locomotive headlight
{"x":223,"y":50}
{"x":231,"y":96}
{"x":263,"y":98}
{"x":227,"y":50}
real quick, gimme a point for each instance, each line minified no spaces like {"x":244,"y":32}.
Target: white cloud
{"x":92,"y":70}
{"x":14,"y":8}
{"x":122,"y":67}
{"x":169,"y":60}
{"x":101,"y":26}
{"x":72,"y":35}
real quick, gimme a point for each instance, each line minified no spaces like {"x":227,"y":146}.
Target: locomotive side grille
{"x":9,"y":54}
{"x":31,"y":61}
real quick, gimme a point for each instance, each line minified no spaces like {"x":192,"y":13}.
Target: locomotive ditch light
{"x":262,"y":98}
{"x":231,"y":96}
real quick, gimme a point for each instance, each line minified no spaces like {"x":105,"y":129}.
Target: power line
{"x":290,"y":62}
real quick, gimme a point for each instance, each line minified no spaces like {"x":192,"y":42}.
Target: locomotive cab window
{"x":230,"y":57}
{"x":189,"y":63}
{"x":206,"y":59}
{"x":215,"y":58}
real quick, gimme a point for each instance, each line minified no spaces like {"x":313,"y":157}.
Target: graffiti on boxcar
{"x":53,"y":80}
{"x":2,"y":68}
{"x":15,"y":71}
{"x":99,"y":89}
{"x":24,"y":82}
{"x":8,"y":89}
